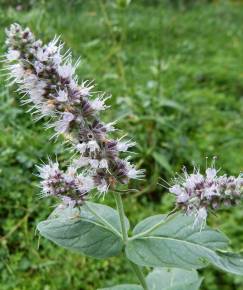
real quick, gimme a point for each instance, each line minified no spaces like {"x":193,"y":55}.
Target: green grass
{"x":176,"y":77}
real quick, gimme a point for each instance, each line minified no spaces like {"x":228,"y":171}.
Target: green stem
{"x":137,"y":270}
{"x":120,"y":209}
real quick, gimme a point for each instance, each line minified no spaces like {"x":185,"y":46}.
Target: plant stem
{"x":137,"y":270}
{"x":120,"y":209}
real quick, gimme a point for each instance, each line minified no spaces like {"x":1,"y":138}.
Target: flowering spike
{"x":48,"y":81}
{"x":196,"y":194}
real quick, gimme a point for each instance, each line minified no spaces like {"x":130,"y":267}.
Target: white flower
{"x":99,"y":104}
{"x":62,"y":96}
{"x":211,"y":191}
{"x":51,"y":47}
{"x":68,"y":177}
{"x":103,"y":186}
{"x":30,"y":81}
{"x":36,"y":92}
{"x":181,"y":195}
{"x":103,"y":164}
{"x":71,"y":171}
{"x":211,"y":173}
{"x":13,"y":55}
{"x":81,"y":162}
{"x":68,"y":117}
{"x":176,"y":189}
{"x":124,"y":145}
{"x":16,"y":72}
{"x":48,"y":170}
{"x":46,"y":190}
{"x":94,"y":163}
{"x":42,"y":55}
{"x":193,"y":179}
{"x":93,"y":146}
{"x":68,"y":201}
{"x":132,"y":172}
{"x":73,"y":85}
{"x":110,"y":127}
{"x":66,"y":70}
{"x":39,"y":66}
{"x":85,"y":90}
{"x":81,"y":147}
{"x":57,"y":59}
{"x":61,"y":126}
{"x":46,"y":109}
{"x":36,"y":95}
{"x":86,"y":183}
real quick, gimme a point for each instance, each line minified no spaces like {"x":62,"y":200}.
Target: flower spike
{"x":47,"y":79}
{"x":197,"y":194}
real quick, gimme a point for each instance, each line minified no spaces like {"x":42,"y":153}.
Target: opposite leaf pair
{"x":158,"y":241}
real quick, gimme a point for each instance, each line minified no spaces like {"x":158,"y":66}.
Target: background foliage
{"x":175,"y":71}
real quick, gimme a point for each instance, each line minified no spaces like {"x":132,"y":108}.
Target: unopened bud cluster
{"x":197,"y":194}
{"x":47,"y":79}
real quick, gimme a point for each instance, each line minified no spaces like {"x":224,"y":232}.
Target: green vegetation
{"x":176,"y":76}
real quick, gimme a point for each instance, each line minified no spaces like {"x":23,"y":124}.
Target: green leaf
{"x":124,"y":287}
{"x":93,"y":231}
{"x":162,"y":160}
{"x":123,"y":3}
{"x":177,"y":242}
{"x":166,"y":279}
{"x":171,"y":104}
{"x":173,"y":279}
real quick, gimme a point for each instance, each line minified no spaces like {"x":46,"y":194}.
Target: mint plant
{"x":174,"y":245}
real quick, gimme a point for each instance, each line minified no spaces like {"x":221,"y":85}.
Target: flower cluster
{"x":197,"y":193}
{"x":69,"y":186}
{"x":47,"y":79}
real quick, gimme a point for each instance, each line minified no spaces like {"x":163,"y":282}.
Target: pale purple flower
{"x":94,"y":163}
{"x":93,"y":146}
{"x":47,"y":78}
{"x":103,"y":164}
{"x":13,"y":55}
{"x":132,"y":172}
{"x":62,"y":125}
{"x":85,"y":89}
{"x":98,"y":104}
{"x":70,"y":187}
{"x":124,"y":145}
{"x":197,"y":193}
{"x":66,"y":71}
{"x":62,"y":96}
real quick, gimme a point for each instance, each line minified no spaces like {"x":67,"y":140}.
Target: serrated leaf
{"x":173,"y":279}
{"x":124,"y":287}
{"x":93,"y":231}
{"x":177,"y":242}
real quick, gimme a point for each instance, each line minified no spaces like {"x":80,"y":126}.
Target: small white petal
{"x":66,"y":70}
{"x":81,"y":147}
{"x":62,"y":96}
{"x":13,"y":55}
{"x":93,"y":146}
{"x":123,"y":146}
{"x":103,"y":164}
{"x":94,"y":163}
{"x":211,"y":173}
